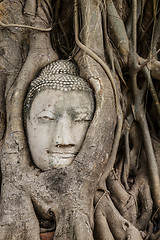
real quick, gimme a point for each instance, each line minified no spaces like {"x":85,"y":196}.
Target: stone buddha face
{"x":57,"y":121}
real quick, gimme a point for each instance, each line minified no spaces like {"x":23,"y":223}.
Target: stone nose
{"x":64,"y":135}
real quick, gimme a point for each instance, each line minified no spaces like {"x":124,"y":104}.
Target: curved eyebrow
{"x":80,"y":112}
{"x":79,"y":109}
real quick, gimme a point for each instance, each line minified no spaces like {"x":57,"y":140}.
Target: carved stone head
{"x":57,"y":112}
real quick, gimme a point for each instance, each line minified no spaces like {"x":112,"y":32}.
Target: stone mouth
{"x":62,"y":154}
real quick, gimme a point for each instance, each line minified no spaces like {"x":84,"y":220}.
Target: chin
{"x":61,"y":163}
{"x":55,"y":163}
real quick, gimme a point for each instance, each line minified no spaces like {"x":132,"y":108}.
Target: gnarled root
{"x":82,"y":227}
{"x":102,"y":230}
{"x":119,"y":227}
{"x":135,"y":205}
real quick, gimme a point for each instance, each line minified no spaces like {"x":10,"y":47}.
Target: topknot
{"x":59,"y":75}
{"x":60,"y":67}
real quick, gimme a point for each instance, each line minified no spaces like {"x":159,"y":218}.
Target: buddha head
{"x":58,"y":110}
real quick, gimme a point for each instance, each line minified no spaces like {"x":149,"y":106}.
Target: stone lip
{"x":47,"y":236}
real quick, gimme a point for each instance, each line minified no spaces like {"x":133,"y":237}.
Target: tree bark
{"x":107,"y":192}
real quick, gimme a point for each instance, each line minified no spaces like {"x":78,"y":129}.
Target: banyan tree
{"x":85,"y":76}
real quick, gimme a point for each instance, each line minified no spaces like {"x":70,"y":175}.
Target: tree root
{"x":15,"y":158}
{"x":117,"y":104}
{"x":137,"y":200}
{"x":140,"y":115}
{"x":4,"y":25}
{"x":102,"y":231}
{"x":127,"y":161}
{"x":82,"y":227}
{"x":124,"y":201}
{"x":127,"y":211}
{"x":119,"y":227}
{"x":152,"y":91}
{"x":120,"y":37}
{"x":155,"y":236}
{"x":153,"y":168}
{"x":146,"y":204}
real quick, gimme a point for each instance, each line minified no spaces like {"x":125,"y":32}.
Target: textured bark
{"x":108,"y":192}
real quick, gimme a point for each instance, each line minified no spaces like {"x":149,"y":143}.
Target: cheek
{"x":79,"y":131}
{"x":38,"y":136}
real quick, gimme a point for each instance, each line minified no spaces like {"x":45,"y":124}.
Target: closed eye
{"x":82,"y":120}
{"x":46,"y":118}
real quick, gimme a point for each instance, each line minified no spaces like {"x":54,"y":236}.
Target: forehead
{"x":50,"y":99}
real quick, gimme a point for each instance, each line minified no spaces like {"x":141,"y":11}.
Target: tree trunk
{"x":112,"y":188}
